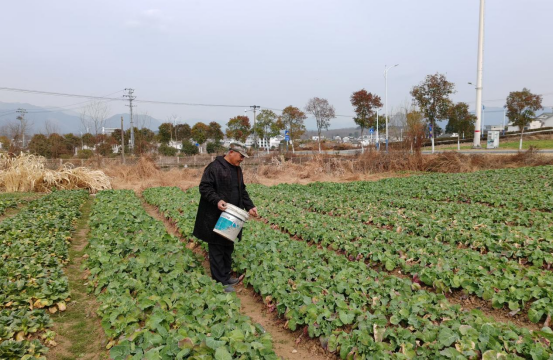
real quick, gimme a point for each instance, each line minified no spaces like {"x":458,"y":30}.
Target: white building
{"x":261,"y":142}
{"x":175,"y":144}
{"x":545,"y":120}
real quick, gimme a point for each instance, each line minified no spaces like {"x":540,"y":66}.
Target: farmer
{"x":222,"y":183}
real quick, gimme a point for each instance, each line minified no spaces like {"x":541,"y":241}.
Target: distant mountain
{"x":38,"y":117}
{"x":65,"y":120}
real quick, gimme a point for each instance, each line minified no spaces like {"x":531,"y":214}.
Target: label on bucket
{"x":224,"y":224}
{"x":229,"y":225}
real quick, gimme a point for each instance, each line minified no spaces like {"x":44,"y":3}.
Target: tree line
{"x":431,"y":103}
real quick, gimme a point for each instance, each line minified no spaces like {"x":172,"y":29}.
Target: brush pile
{"x":27,"y":173}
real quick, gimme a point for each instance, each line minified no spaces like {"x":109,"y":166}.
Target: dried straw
{"x":27,"y":173}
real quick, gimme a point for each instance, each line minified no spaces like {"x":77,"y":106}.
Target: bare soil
{"x":287,"y":345}
{"x":10,"y":212}
{"x":79,"y":331}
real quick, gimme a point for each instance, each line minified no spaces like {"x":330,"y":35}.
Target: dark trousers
{"x":220,"y":261}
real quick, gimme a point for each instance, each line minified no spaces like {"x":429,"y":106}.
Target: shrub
{"x":84,"y":153}
{"x":189,"y":148}
{"x":214,"y":147}
{"x":166,"y":150}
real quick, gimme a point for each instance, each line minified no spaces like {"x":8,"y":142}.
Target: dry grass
{"x":27,"y":173}
{"x":453,"y":162}
{"x":146,"y":174}
{"x":327,"y":168}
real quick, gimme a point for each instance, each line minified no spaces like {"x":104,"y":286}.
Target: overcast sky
{"x":269,"y":53}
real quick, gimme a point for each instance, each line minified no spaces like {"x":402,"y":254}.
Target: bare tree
{"x":142,"y":119}
{"x":50,"y":127}
{"x":94,"y":116}
{"x":398,"y":121}
{"x":172,"y":119}
{"x":16,"y":131}
{"x":323,"y":113}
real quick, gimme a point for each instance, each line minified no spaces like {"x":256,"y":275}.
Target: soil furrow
{"x":287,"y":344}
{"x":79,"y":331}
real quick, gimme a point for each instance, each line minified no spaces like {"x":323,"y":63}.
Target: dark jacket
{"x":215,"y":186}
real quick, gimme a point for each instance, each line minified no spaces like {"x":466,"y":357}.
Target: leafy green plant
{"x":156,"y":301}
{"x":33,"y":248}
{"x":358,"y":312}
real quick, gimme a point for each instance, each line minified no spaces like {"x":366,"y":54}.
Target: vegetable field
{"x":366,"y":267}
{"x":379,"y":270}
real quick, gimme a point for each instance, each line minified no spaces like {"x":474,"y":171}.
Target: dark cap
{"x":237,"y":147}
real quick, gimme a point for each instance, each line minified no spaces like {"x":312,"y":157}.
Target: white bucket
{"x":230,"y":222}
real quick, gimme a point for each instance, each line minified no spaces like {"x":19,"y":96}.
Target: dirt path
{"x":79,"y":332}
{"x":10,"y":212}
{"x":287,"y":345}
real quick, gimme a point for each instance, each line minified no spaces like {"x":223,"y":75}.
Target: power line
{"x":161,"y":102}
{"x":65,"y":107}
{"x":107,"y":98}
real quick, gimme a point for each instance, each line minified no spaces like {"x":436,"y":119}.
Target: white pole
{"x":386,"y":101}
{"x":386,"y":98}
{"x":458,"y":142}
{"x":479,"y":66}
{"x":377,"y":137}
{"x":504,"y":111}
{"x":483,"y":118}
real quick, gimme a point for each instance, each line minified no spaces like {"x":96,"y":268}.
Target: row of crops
{"x":156,"y":300}
{"x":436,"y":260}
{"x":33,"y":250}
{"x":520,"y":188}
{"x":360,"y":312}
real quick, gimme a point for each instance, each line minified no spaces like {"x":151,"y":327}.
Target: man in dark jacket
{"x":222,"y":183}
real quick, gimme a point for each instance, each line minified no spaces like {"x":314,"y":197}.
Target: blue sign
{"x":286,"y":135}
{"x":371,"y":130}
{"x":197,"y":145}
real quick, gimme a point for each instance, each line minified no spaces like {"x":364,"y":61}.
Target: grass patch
{"x":511,"y":144}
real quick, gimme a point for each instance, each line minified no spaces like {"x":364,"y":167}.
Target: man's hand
{"x":253,"y":212}
{"x":222,"y":205}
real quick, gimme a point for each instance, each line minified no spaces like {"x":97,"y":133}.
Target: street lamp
{"x":377,"y":135}
{"x":386,"y":98}
{"x":253,"y":126}
{"x":504,"y":112}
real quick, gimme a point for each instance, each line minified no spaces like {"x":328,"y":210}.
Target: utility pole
{"x":131,"y":98}
{"x":254,"y":107}
{"x":21,"y":118}
{"x":479,"y":66}
{"x":122,"y":142}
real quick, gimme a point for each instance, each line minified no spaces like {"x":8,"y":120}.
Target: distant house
{"x":546,"y":120}
{"x":175,"y":144}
